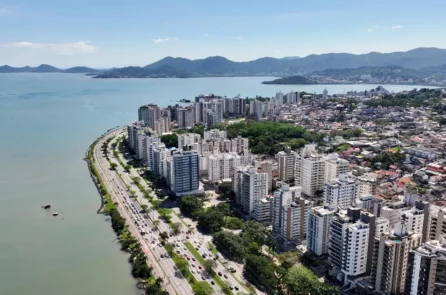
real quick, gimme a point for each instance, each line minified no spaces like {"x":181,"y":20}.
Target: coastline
{"x":109,"y":208}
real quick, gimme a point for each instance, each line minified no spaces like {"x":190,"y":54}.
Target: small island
{"x":291,"y":80}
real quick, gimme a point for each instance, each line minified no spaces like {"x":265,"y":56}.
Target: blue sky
{"x":101,"y":33}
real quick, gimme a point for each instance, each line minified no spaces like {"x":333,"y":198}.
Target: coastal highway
{"x":153,"y":231}
{"x":173,"y":281}
{"x":195,"y":238}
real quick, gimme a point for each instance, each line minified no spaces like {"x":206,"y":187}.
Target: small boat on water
{"x":55,"y":214}
{"x":46,"y":207}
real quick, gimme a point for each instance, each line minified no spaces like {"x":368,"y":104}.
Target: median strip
{"x":201,"y":260}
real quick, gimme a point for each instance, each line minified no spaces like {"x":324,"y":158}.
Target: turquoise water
{"x":46,"y":123}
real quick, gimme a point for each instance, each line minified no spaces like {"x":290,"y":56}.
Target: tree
{"x":254,"y":231}
{"x":209,"y":265}
{"x":144,"y":207}
{"x":113,"y":166}
{"x":164,"y":235}
{"x":262,"y":272}
{"x":211,"y":220}
{"x":170,"y":140}
{"x":300,"y":280}
{"x":233,"y":222}
{"x":202,"y":288}
{"x":156,"y":288}
{"x":226,"y":191}
{"x":190,"y":206}
{"x":156,"y":222}
{"x":176,"y":227}
{"x":230,"y":245}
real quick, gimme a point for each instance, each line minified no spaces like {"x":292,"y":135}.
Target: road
{"x":232,"y":279}
{"x":173,"y":282}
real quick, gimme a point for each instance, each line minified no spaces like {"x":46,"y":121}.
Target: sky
{"x":104,"y":34}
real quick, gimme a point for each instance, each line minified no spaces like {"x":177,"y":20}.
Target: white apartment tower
{"x":335,"y":166}
{"x":250,"y":187}
{"x":222,"y":166}
{"x":348,"y":248}
{"x":286,"y":164}
{"x":215,"y":135}
{"x":310,"y":170}
{"x":325,"y":94}
{"x":267,"y":167}
{"x":188,"y":139}
{"x":341,"y":193}
{"x":318,"y":229}
{"x":427,"y":265}
{"x":284,"y":196}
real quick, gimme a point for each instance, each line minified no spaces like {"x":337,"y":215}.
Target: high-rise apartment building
{"x":294,"y":220}
{"x":188,"y":139}
{"x":391,"y":259}
{"x":262,"y":210}
{"x":149,"y":114}
{"x":437,"y":222}
{"x":215,"y":135}
{"x":286,"y":164}
{"x":283,"y":196}
{"x":341,"y":192}
{"x":185,"y":117}
{"x":250,"y":187}
{"x":222,"y":166}
{"x":310,"y":170}
{"x":349,"y":244}
{"x":267,"y":167}
{"x":427,"y":269}
{"x":184,"y":172}
{"x":335,"y":166}
{"x":318,"y":228}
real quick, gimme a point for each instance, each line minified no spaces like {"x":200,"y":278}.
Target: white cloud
{"x":163,"y":40}
{"x":58,"y":48}
{"x":396,"y":27}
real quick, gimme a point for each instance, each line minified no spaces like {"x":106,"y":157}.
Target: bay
{"x":47,"y":121}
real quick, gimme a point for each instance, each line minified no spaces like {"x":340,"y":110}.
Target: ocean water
{"x":47,"y":121}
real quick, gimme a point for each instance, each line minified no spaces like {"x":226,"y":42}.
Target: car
{"x":178,"y":252}
{"x":185,"y":254}
{"x":203,"y":278}
{"x":219,"y":273}
{"x":230,"y":287}
{"x":226,"y":276}
{"x":188,"y":258}
{"x":184,"y":248}
{"x":236,"y":288}
{"x":212,"y":283}
{"x":197,"y":248}
{"x":200,"y":267}
{"x":193,"y":259}
{"x":162,"y":256}
{"x":192,"y":271}
{"x":187,"y":237}
{"x":204,"y":255}
{"x":193,"y":264}
{"x":232,"y":270}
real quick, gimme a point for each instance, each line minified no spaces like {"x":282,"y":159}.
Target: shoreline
{"x":115,"y":213}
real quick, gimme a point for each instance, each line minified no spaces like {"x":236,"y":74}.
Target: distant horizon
{"x":145,"y":64}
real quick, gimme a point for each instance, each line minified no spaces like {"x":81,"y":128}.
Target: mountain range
{"x":268,"y":66}
{"x":419,"y":58}
{"x":46,"y":69}
{"x":435,"y":76}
